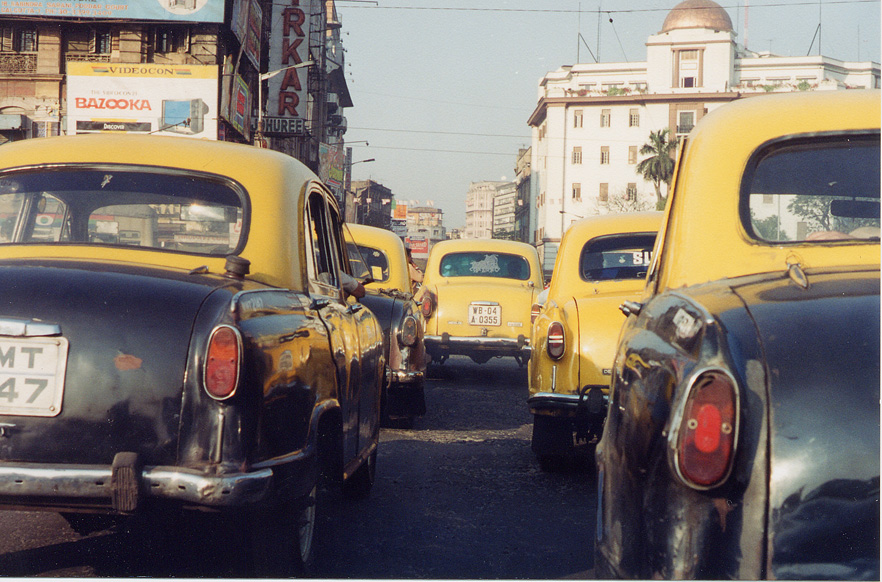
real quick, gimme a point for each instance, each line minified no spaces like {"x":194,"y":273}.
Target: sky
{"x":442,"y":89}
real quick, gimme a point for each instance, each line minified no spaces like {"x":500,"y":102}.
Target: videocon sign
{"x":175,"y":10}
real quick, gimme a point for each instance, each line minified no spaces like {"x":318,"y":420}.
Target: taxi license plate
{"x":480,"y":314}
{"x":32,"y":375}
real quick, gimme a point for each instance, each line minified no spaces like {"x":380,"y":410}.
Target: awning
{"x":11,"y":121}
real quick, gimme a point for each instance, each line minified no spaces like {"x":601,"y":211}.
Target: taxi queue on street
{"x":717,"y":362}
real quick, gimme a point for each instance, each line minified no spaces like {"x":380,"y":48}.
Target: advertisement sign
{"x":289,"y":44}
{"x":399,"y":227}
{"x":240,"y":107}
{"x":173,"y":10}
{"x":331,"y":165}
{"x":142,"y":98}
{"x":399,"y":212}
{"x":246,"y":22}
{"x":419,"y":246}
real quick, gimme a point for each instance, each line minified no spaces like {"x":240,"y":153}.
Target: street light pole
{"x":261,"y":78}
{"x":347,"y":180}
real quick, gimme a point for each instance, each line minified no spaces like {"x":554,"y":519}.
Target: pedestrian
{"x":416,"y":276}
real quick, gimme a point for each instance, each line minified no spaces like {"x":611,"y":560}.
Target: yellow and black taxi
{"x":378,"y":256}
{"x":742,"y":437}
{"x":602,"y":261}
{"x":476,"y":297}
{"x":175,"y":334}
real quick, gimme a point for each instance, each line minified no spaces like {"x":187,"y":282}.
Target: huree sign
{"x":289,"y":45}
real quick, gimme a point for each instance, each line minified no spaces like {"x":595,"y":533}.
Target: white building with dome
{"x":592,"y":119}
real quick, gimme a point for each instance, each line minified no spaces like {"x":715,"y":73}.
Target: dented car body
{"x":742,"y":439}
{"x":175,"y":334}
{"x":602,"y":261}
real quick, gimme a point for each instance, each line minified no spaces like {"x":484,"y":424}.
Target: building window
{"x":604,"y":154}
{"x":577,"y":118}
{"x":688,"y":66}
{"x":603,"y":195}
{"x":171,"y":39}
{"x":88,"y":40}
{"x":634,"y":118}
{"x":18,"y":39}
{"x":685,"y":121}
{"x":631,"y":191}
{"x":604,"y":117}
{"x":577,"y":155}
{"x":577,"y":191}
{"x":632,"y":154}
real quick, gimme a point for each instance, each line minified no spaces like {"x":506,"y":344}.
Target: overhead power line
{"x":597,"y":11}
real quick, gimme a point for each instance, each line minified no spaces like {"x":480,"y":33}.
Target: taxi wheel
{"x":281,"y":537}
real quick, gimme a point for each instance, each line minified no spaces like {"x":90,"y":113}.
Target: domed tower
{"x":694,"y":51}
{"x":704,"y":14}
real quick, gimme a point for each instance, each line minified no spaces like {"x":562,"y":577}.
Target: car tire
{"x":281,"y":537}
{"x":359,"y":485}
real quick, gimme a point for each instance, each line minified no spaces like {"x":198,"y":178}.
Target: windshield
{"x":814,"y":191}
{"x":481,"y":264}
{"x":122,"y":206}
{"x":621,"y":256}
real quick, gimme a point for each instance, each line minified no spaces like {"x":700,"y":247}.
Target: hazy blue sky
{"x":442,"y":89}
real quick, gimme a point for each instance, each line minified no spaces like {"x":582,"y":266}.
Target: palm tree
{"x":659,"y":166}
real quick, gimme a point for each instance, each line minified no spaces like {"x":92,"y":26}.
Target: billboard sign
{"x":246,"y":22}
{"x":419,"y":246}
{"x":142,"y":98}
{"x":289,"y":46}
{"x":168,"y":10}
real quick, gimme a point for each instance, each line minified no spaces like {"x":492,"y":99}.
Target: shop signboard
{"x":289,"y":46}
{"x":167,"y":10}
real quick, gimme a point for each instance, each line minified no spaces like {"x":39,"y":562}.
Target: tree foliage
{"x":658,"y":168}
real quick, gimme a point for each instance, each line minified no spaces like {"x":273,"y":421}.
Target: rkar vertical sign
{"x":289,"y":46}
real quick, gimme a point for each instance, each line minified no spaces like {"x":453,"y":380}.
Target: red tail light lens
{"x":534,"y":312}
{"x":708,"y":433}
{"x":427,"y":306}
{"x":555,"y":340}
{"x":222,"y":362}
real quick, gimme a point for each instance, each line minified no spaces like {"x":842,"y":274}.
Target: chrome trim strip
{"x":496,"y":342}
{"x":93,"y":482}
{"x":17,"y":327}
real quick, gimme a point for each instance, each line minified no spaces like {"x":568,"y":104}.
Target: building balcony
{"x":18,"y":63}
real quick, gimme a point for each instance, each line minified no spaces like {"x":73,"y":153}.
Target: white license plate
{"x":485,"y":314}
{"x":32,"y":375}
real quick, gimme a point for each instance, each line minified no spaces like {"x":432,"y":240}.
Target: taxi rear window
{"x":485,"y":264}
{"x":814,"y":189}
{"x":368,"y":262}
{"x":614,"y":257}
{"x":124,"y":206}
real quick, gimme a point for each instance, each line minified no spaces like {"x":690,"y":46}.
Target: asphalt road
{"x":459,"y":496}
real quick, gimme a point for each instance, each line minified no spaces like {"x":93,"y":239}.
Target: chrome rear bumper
{"x":464,"y":345}
{"x":97,"y":486}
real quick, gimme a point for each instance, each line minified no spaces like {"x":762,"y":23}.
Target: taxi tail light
{"x":555,"y":340}
{"x":222,"y":362}
{"x":428,"y":304}
{"x":534,"y":312}
{"x":708,"y":432}
{"x":409,"y":331}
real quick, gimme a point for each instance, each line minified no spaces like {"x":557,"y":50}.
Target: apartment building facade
{"x":175,"y":68}
{"x":592,"y":119}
